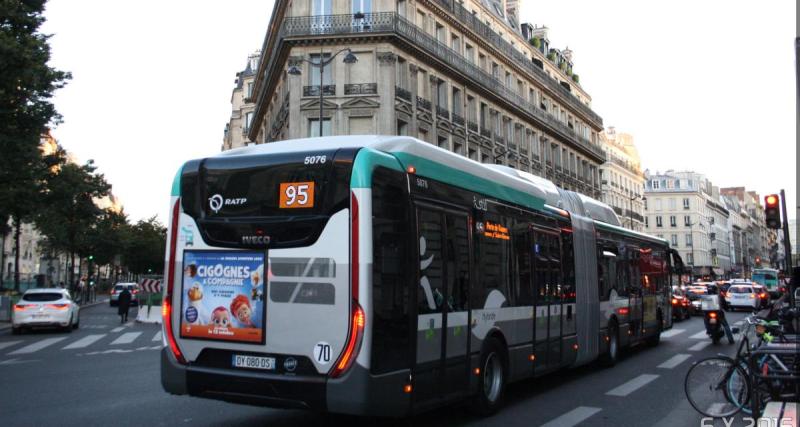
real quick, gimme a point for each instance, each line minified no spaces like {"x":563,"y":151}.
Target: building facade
{"x":686,"y":209}
{"x":464,"y":76}
{"x":622,"y":179}
{"x":758,"y":236}
{"x":242,"y":106}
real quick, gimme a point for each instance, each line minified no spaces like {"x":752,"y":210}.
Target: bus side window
{"x":636,"y":278}
{"x":568,"y":264}
{"x":390,"y":272}
{"x":522,"y":247}
{"x":621,"y":283}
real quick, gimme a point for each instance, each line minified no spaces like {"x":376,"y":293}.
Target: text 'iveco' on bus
{"x":382,"y":275}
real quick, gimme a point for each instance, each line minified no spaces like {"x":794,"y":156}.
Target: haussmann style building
{"x":463,"y":75}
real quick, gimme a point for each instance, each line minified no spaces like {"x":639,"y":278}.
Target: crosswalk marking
{"x":115,"y":330}
{"x":126,"y":338}
{"x":700,"y":335}
{"x":699,"y":346}
{"x":572,"y":417}
{"x":672,"y":333}
{"x":84,"y":342}
{"x":37,"y":346}
{"x":674,"y":361}
{"x":8,"y":344}
{"x":632,"y":385}
{"x":157,"y":336}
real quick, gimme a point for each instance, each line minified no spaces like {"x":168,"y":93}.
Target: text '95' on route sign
{"x":296,"y":195}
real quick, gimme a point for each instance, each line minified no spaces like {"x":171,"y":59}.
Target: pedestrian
{"x":123,"y":304}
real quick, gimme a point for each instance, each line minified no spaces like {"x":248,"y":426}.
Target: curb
{"x":4,"y":326}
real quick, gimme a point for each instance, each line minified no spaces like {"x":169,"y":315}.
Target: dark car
{"x":680,"y":304}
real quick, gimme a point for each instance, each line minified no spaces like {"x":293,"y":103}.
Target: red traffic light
{"x":771,"y":212}
{"x":771,"y":200}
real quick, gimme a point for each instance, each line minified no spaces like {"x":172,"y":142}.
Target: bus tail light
{"x":166,"y":307}
{"x":358,"y":320}
{"x":712,"y":315}
{"x":623,"y":311}
{"x":353,"y":343}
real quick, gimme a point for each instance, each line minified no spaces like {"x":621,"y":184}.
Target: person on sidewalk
{"x":124,"y":304}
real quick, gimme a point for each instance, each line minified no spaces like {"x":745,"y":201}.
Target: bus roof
{"x":436,"y":163}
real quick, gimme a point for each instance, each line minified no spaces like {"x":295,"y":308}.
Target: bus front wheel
{"x":611,"y":356}
{"x":492,"y":378}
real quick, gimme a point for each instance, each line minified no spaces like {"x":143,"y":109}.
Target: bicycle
{"x":721,"y":386}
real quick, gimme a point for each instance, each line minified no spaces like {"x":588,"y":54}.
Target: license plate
{"x":253,"y":362}
{"x":712,"y":321}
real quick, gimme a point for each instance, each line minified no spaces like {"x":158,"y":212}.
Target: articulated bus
{"x":381,"y":275}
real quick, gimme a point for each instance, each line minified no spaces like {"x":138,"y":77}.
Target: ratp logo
{"x":215,"y":203}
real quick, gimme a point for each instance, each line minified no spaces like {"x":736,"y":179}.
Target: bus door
{"x":635,"y":296}
{"x":441,"y":367}
{"x":547,"y":282}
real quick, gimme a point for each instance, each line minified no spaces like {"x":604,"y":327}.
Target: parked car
{"x":45,"y":308}
{"x":117,"y":289}
{"x":743,"y":296}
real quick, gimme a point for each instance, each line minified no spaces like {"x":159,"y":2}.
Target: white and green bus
{"x":381,"y":275}
{"x":767,"y":277}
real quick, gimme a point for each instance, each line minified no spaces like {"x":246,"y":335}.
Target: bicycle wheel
{"x":716,"y":387}
{"x":738,"y":395}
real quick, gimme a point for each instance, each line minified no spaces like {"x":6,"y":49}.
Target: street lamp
{"x":294,"y":70}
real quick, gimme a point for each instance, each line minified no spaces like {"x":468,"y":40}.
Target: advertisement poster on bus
{"x":222,"y":296}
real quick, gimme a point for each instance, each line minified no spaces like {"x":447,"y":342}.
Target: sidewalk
{"x":7,"y":325}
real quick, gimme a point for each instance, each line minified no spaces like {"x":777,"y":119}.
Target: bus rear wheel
{"x":492,"y":378}
{"x":611,"y":356}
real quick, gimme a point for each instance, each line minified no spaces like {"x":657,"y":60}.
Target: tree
{"x":146,"y":243}
{"x":69,"y":210}
{"x":26,"y":86}
{"x":106,"y":239}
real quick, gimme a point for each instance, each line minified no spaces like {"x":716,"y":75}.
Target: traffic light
{"x":772,"y":211}
{"x":91,"y":257}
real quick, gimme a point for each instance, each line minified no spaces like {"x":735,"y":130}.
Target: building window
{"x":689,"y":239}
{"x":687,"y":220}
{"x":647,"y":222}
{"x":457,"y":102}
{"x":363,"y":6}
{"x":402,"y":128}
{"x":658,"y":204}
{"x":321,"y":7}
{"x":313,"y":76}
{"x":495,"y":71}
{"x":674,"y":240}
{"x":422,"y":134}
{"x":673,"y":221}
{"x":672,"y":204}
{"x":686,"y":203}
{"x":658,"y":221}
{"x":458,"y":148}
{"x":690,"y":259}
{"x":248,"y":121}
{"x":249,"y":90}
{"x":469,"y":52}
{"x":402,"y":73}
{"x":472,"y":110}
{"x":313,"y":127}
{"x":444,"y":142}
{"x":441,"y":34}
{"x":455,"y":43}
{"x":401,"y":8}
{"x":655,"y":184}
{"x":441,"y":94}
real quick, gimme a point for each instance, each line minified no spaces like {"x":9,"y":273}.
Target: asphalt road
{"x":108,"y":374}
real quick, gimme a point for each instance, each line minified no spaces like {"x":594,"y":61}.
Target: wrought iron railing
{"x":361,"y":89}
{"x":442,"y":112}
{"x":458,"y":119}
{"x":402,"y":93}
{"x":423,"y":103}
{"x":472,"y":126}
{"x":327,"y":90}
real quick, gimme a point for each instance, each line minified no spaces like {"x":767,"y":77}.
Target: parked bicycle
{"x":721,"y":386}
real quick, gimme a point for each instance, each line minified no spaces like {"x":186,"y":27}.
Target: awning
{"x":719,"y":271}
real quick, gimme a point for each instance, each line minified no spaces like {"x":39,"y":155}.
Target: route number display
{"x":296,"y":195}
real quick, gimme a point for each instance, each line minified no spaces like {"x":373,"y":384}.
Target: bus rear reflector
{"x":623,"y":311}
{"x":353,"y":342}
{"x":166,"y":308}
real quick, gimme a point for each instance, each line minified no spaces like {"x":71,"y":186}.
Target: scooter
{"x":713,"y":322}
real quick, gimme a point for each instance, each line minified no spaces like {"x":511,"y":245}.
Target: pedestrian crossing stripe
{"x":126,"y":338}
{"x":85,"y":341}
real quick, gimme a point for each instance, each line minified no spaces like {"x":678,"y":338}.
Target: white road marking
{"x":674,"y":361}
{"x":126,"y":338}
{"x":632,"y":385}
{"x":16,"y":361}
{"x":572,"y":417}
{"x":37,"y":346}
{"x":699,"y":346}
{"x":84,"y":342}
{"x":8,"y":344}
{"x":700,"y":335}
{"x":118,"y":329}
{"x":157,"y":336}
{"x":672,"y":333}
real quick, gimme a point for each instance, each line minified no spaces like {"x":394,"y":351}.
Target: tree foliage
{"x":145,"y":245}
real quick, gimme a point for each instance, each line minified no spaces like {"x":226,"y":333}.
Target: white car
{"x":742,"y":296}
{"x":45,"y":307}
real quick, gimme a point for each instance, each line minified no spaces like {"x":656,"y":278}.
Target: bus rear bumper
{"x":357,"y":392}
{"x":246,"y":387}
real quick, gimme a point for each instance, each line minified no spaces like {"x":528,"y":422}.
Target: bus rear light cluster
{"x":353,"y":343}
{"x":166,"y":307}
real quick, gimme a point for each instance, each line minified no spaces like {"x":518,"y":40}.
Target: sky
{"x":704,"y":85}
